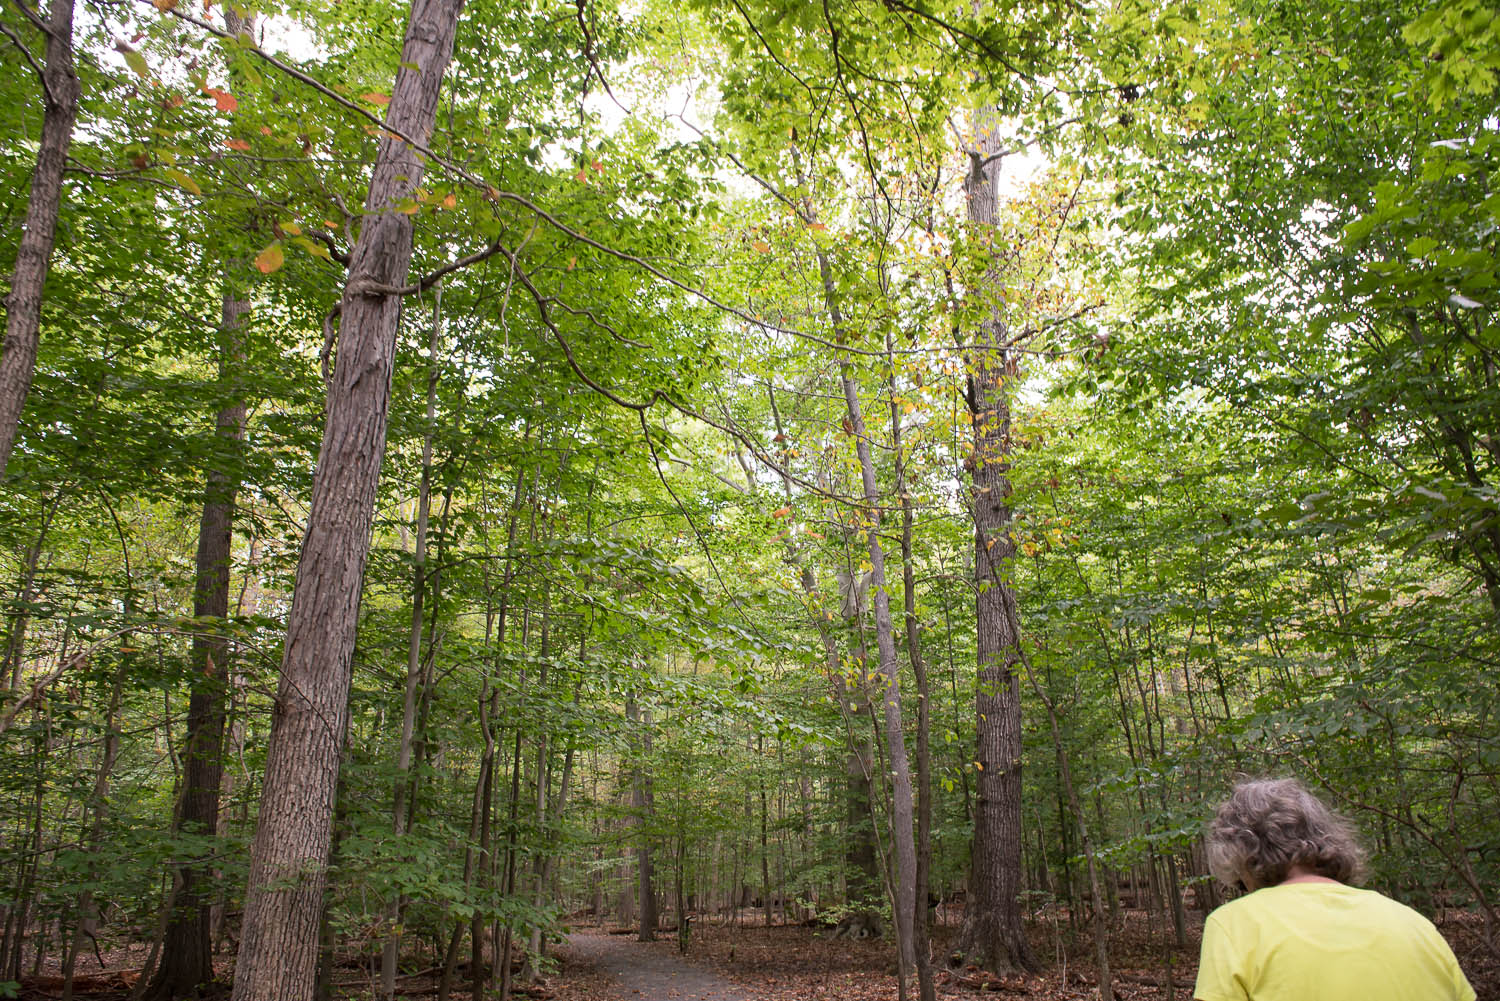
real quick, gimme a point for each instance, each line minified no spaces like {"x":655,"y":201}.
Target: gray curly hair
{"x":1268,"y":825}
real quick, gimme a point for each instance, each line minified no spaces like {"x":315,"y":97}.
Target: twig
{"x":41,"y":74}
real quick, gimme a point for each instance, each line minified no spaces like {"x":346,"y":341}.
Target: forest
{"x":853,"y":478}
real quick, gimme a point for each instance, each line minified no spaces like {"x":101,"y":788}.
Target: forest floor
{"x":798,"y":963}
{"x":753,"y":962}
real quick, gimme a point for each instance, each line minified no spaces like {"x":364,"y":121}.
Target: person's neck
{"x":1302,"y":874}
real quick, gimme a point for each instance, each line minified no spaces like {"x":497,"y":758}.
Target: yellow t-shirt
{"x":1317,"y":941}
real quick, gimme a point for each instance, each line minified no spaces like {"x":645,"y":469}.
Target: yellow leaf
{"x":270,"y":259}
{"x":316,"y":249}
{"x":183,"y":181}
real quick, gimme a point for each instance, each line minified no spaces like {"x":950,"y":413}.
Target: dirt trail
{"x":647,"y":974}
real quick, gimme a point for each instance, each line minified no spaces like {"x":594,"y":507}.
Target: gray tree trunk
{"x":288,"y":868}
{"x":921,"y":930}
{"x":993,"y":935}
{"x":23,"y":306}
{"x":903,"y":890}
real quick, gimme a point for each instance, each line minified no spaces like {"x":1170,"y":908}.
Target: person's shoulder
{"x":1394,"y":909}
{"x":1242,"y":908}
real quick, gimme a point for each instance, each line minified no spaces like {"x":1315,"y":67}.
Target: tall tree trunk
{"x":476,"y":811}
{"x":491,"y":764}
{"x":903,"y":881}
{"x":641,"y":801}
{"x":903,"y":890}
{"x":290,"y":853}
{"x":23,"y":306}
{"x":187,"y":947}
{"x":88,"y":911}
{"x":921,"y":931}
{"x":391,"y":953}
{"x":1090,"y":855}
{"x":993,"y":935}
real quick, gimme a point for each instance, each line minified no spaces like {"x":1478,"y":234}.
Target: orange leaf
{"x":223,"y":100}
{"x":819,"y":225}
{"x":374,"y":97}
{"x":450,"y":201}
{"x":597,"y":166}
{"x":265,"y":130}
{"x":237,"y":144}
{"x":164,"y":5}
{"x":761,"y":245}
{"x":582,"y":175}
{"x":270,"y":259}
{"x":781,"y":512}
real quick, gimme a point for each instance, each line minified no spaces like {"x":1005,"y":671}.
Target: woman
{"x":1302,"y":932}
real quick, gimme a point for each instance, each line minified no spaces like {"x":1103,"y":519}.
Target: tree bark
{"x":641,"y":802}
{"x":187,"y":948}
{"x":23,"y":306}
{"x":926,"y":988}
{"x":288,"y":868}
{"x":993,"y":935}
{"x":903,"y":879}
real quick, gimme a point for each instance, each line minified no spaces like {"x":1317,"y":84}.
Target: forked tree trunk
{"x":23,"y":306}
{"x":992,"y":935}
{"x":288,"y":868}
{"x":187,"y":947}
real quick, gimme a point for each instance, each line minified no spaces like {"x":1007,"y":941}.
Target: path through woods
{"x":641,"y":973}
